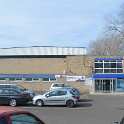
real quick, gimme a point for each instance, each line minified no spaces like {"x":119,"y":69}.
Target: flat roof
{"x":42,"y":50}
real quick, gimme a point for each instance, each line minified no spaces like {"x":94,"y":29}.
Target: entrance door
{"x":105,"y":85}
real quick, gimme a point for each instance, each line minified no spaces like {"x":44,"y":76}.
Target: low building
{"x":108,"y":75}
{"x":37,"y":66}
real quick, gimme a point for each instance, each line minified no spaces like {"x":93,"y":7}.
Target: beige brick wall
{"x":79,"y":65}
{"x":74,"y":65}
{"x":32,"y":65}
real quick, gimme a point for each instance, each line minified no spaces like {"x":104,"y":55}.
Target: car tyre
{"x":70,"y":103}
{"x":39,"y":103}
{"x":13,"y":102}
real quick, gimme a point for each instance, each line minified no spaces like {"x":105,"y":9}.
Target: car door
{"x":56,"y":97}
{"x":4,"y":96}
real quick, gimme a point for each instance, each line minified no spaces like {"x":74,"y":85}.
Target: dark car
{"x":119,"y":122}
{"x":18,"y":87}
{"x":12,"y":97}
{"x":10,"y":115}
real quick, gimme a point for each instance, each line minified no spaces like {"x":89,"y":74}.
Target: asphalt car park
{"x":94,"y":109}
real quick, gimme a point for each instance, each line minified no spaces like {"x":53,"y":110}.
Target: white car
{"x":58,"y":85}
{"x":57,"y":97}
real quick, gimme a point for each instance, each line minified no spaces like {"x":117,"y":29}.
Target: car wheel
{"x":12,"y":102}
{"x":39,"y":103}
{"x":70,"y":103}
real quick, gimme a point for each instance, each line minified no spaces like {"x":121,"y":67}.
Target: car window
{"x":60,"y":93}
{"x":3,"y":120}
{"x":58,"y":85}
{"x":1,"y":91}
{"x":53,"y":93}
{"x":13,"y":92}
{"x":57,"y":93}
{"x":24,"y":119}
{"x":5,"y":91}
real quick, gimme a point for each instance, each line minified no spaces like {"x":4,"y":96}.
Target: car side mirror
{"x":47,"y":95}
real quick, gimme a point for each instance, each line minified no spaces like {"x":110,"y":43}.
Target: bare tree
{"x":112,"y":41}
{"x":116,"y":23}
{"x":110,"y":46}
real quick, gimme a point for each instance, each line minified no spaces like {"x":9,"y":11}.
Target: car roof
{"x":10,"y":110}
{"x":62,"y":89}
{"x":58,"y":83}
{"x":6,"y":111}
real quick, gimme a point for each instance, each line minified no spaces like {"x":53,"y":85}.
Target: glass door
{"x":105,"y":85}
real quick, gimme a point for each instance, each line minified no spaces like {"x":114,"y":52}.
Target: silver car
{"x":57,"y":97}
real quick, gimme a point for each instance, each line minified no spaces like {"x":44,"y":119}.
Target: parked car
{"x":62,"y":85}
{"x":57,"y":97}
{"x":15,"y":116}
{"x":119,"y":122}
{"x":12,"y":96}
{"x":18,"y":87}
{"x":58,"y":85}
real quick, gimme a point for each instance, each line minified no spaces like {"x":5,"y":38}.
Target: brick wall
{"x":74,"y":65}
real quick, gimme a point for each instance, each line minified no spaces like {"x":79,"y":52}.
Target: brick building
{"x":41,"y":64}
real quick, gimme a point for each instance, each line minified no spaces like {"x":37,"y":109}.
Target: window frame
{"x":112,"y":69}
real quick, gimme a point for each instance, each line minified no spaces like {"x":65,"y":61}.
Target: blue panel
{"x":96,"y":76}
{"x":120,"y":85}
{"x":52,"y":76}
{"x":109,"y":59}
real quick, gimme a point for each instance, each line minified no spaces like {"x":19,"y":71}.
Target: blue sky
{"x":53,"y":22}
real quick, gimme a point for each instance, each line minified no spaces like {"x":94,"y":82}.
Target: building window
{"x":98,"y":65}
{"x":113,"y":65}
{"x":107,"y":70}
{"x":119,"y":65}
{"x":18,"y":79}
{"x":48,"y":79}
{"x":11,"y":79}
{"x":107,"y":65}
{"x":98,"y":70}
{"x":119,"y":70}
{"x":45,"y":79}
{"x":113,"y":71}
{"x":35,"y":79}
{"x":28,"y":79}
{"x":2,"y":78}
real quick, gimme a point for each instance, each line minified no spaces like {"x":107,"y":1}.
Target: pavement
{"x":92,"y":109}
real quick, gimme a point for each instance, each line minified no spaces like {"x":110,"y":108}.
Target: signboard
{"x":75,"y":78}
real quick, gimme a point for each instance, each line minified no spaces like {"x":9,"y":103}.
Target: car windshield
{"x":60,"y":85}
